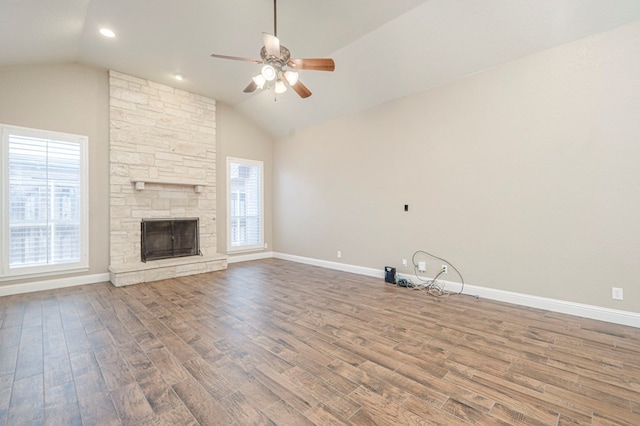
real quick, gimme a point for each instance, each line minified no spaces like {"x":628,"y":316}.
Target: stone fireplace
{"x":162,"y":167}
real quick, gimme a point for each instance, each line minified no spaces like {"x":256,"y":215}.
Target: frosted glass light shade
{"x":291,"y":77}
{"x":280,"y":87}
{"x":268,"y":72}
{"x":259,"y":80}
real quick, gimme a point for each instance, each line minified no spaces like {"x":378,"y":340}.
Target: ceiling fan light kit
{"x":275,"y":58}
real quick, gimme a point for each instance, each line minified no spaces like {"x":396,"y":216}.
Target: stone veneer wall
{"x":160,"y":134}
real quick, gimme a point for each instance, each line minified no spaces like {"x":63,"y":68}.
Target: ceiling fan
{"x":278,"y":67}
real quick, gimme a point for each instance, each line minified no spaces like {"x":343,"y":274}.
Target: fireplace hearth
{"x":169,"y":238}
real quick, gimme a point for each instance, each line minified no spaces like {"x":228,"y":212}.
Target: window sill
{"x":245,"y":249}
{"x":15,"y":277}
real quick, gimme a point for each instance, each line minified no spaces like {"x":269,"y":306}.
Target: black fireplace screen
{"x":167,"y":238}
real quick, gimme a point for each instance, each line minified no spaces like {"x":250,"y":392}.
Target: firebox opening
{"x":169,"y":238}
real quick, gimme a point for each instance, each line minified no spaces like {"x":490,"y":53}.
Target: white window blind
{"x":44,"y":202}
{"x":245,"y":204}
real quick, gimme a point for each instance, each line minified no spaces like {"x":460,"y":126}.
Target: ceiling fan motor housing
{"x":274,"y":61}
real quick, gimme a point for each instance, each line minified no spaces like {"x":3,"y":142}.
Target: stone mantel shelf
{"x":140,"y":182}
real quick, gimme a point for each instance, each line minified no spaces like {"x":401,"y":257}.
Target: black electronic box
{"x":390,"y":275}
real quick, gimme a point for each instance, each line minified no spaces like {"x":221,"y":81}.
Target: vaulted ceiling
{"x":383,"y":49}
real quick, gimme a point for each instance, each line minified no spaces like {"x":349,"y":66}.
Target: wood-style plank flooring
{"x":275,"y":342}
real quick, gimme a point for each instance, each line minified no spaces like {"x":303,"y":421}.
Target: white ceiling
{"x":383,"y":49}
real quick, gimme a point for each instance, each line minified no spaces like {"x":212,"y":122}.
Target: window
{"x":44,"y":202}
{"x":245,"y":204}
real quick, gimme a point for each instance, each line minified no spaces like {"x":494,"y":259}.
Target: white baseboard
{"x":578,"y":309}
{"x":371,"y":272}
{"x":30,"y":287}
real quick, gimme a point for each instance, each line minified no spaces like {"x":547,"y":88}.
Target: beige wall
{"x":524,"y":176}
{"x":73,"y":99}
{"x":237,"y":136}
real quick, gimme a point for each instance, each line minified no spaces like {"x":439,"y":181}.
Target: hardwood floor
{"x":275,"y":342}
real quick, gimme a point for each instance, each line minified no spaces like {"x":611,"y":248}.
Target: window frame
{"x":251,"y":163}
{"x":6,"y":271}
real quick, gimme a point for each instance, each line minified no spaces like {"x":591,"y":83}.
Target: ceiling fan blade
{"x":251,"y":87}
{"x":301,"y":90}
{"x":316,"y":64}
{"x":271,"y":44}
{"x":237,"y":58}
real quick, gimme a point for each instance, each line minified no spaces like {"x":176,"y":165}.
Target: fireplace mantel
{"x":140,"y":182}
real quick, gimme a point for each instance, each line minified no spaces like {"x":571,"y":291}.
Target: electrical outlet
{"x":339,"y":254}
{"x":616,"y":293}
{"x":422,"y":266}
{"x":404,"y":262}
{"x":445,"y":269}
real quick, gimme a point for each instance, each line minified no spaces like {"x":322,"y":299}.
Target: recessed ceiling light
{"x":178,"y":77}
{"x":107,"y":32}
